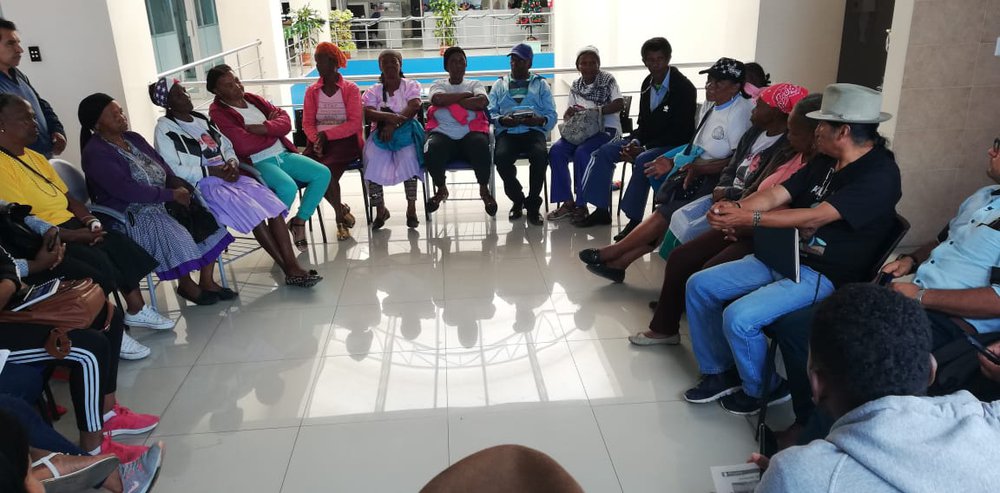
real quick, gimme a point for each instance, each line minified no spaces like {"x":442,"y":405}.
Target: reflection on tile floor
{"x":419,"y":348}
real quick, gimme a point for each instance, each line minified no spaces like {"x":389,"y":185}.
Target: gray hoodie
{"x":911,"y":444}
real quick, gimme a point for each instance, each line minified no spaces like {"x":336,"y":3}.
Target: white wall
{"x":799,"y":40}
{"x":243,"y":21}
{"x":117,"y":50}
{"x":895,"y":64}
{"x":698,"y":32}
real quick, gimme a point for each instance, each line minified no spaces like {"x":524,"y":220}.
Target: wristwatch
{"x":920,"y":296}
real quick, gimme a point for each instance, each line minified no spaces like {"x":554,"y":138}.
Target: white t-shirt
{"x":447,"y":124}
{"x":611,"y":120}
{"x":721,"y":133}
{"x":752,"y":158}
{"x":211,"y":151}
{"x":252,"y":116}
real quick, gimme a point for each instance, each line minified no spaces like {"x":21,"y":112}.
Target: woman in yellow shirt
{"x":111,"y":258}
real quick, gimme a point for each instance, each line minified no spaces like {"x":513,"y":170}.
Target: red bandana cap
{"x":783,"y":96}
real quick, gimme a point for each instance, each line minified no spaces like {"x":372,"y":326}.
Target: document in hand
{"x":778,"y":248}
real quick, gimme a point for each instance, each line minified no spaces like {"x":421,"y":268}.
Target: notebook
{"x":778,"y":248}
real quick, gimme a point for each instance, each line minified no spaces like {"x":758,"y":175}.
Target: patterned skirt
{"x":242,"y":204}
{"x":387,"y":167}
{"x":169,"y":243}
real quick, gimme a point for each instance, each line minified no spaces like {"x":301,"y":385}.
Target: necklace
{"x":34,"y":175}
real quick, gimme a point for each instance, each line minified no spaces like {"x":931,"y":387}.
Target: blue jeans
{"x":600,"y":171}
{"x":637,"y":192}
{"x":724,"y":336}
{"x":561,"y":154}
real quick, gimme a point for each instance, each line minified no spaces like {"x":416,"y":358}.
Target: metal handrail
{"x":439,"y":75}
{"x":207,"y":59}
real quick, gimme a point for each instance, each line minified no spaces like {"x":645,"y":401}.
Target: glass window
{"x":161,"y":16}
{"x":206,"y":12}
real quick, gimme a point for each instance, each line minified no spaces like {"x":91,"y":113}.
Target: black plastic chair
{"x":900,"y":227}
{"x":301,"y":141}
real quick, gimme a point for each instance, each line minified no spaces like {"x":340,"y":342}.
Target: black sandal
{"x":224,"y":294}
{"x":204,"y":299}
{"x":380,"y":219}
{"x":435,"y":202}
{"x":489,"y":202}
{"x":307,"y":281}
{"x":300,"y":243}
{"x":412,"y":221}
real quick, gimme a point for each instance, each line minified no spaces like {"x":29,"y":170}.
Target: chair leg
{"x":322,"y":223}
{"x":222,"y":272}
{"x":621,"y":188}
{"x":427,"y":197}
{"x":545,"y":191}
{"x":768,"y":374}
{"x":152,"y":291}
{"x":364,"y":196}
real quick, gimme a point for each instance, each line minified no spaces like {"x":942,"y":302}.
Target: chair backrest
{"x":900,"y":226}
{"x":624,"y":116}
{"x":299,"y":135}
{"x":73,"y":178}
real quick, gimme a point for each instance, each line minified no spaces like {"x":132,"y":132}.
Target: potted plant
{"x":444,"y":29}
{"x":340,"y":31}
{"x":305,"y":27}
{"x":529,"y":17}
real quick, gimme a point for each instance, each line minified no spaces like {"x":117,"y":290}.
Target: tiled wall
{"x":949,"y":109}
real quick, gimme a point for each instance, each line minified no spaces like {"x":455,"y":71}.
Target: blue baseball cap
{"x":523,"y":51}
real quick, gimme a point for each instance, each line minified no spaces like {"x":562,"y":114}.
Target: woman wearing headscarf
{"x":332,"y":120}
{"x":126,"y":174}
{"x":257,"y":130}
{"x":197,"y":152}
{"x":594,"y":90}
{"x":393,"y":151}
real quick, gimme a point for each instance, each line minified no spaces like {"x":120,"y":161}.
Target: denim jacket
{"x":539,"y":99}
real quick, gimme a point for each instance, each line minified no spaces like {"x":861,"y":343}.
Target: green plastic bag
{"x":669,"y":243}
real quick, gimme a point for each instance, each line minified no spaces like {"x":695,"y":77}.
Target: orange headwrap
{"x":331,"y":50}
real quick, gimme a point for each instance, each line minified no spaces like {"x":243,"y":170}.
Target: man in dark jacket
{"x":666,"y":120}
{"x":51,"y":136}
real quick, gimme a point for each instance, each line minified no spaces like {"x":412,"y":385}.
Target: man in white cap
{"x":843,"y":204}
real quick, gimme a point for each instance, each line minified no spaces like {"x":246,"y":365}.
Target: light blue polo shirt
{"x":966,"y":257}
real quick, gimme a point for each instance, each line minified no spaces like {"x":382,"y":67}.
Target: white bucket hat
{"x":850,"y":103}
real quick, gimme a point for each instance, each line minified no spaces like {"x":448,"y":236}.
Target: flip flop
{"x":80,"y":480}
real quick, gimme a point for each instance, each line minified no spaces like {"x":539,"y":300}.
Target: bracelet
{"x":88,"y":220}
{"x":756,"y":218}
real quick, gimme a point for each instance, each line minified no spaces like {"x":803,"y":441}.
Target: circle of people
{"x":754,"y":155}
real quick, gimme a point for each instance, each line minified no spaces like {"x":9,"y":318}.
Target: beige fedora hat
{"x":850,"y":103}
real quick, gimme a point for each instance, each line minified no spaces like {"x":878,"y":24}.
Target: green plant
{"x":340,"y":30}
{"x":444,"y":29}
{"x":305,"y":27}
{"x":529,"y":17}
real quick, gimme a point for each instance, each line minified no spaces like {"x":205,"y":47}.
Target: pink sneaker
{"x":125,"y":453}
{"x":126,"y":422}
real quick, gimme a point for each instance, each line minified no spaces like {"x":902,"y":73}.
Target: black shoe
{"x":204,"y":299}
{"x":590,"y":256}
{"x":516,"y":212}
{"x":225,"y":294}
{"x":612,"y":274}
{"x":412,"y":221}
{"x":600,"y":217}
{"x":626,"y":230}
{"x":535,"y":218}
{"x":741,"y":404}
{"x":712,"y":387}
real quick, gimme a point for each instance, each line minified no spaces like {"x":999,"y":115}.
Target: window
{"x":161,"y":16}
{"x":206,"y":12}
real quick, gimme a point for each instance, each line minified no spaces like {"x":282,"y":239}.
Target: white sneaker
{"x":148,"y":318}
{"x":132,"y":349}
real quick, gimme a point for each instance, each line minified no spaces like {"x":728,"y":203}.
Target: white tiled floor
{"x":421,"y":347}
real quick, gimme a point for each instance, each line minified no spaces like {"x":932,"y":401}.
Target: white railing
{"x":235,"y":51}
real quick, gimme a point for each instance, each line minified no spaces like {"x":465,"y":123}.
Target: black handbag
{"x":195,"y":217}
{"x":18,"y":238}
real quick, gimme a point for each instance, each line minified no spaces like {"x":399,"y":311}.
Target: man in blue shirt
{"x":523,"y":112}
{"x":51,"y":136}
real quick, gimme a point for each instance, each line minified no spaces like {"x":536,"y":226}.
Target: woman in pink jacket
{"x":332,"y":120}
{"x":257,"y":130}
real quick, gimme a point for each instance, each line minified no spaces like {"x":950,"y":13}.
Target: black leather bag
{"x":19,"y":240}
{"x":195,"y":217}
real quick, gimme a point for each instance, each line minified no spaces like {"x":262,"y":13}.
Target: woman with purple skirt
{"x":196,"y":151}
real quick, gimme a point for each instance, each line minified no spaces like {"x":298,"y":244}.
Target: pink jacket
{"x":246,"y":144}
{"x":461,"y":115}
{"x":352,"y":103}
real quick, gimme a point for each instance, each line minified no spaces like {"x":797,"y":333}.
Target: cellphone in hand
{"x":884,"y":279}
{"x":982,"y":349}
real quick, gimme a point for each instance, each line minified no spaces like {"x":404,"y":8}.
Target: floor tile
{"x":614,"y":371}
{"x":500,"y":320}
{"x":400,"y":283}
{"x":569,"y":435}
{"x":244,"y":461}
{"x":670,"y":446}
{"x":240,"y":396}
{"x":249,"y":336}
{"x":359,"y":330}
{"x":382,"y":456}
{"x":475,"y":276}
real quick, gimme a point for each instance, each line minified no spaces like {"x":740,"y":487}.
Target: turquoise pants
{"x":283,"y":174}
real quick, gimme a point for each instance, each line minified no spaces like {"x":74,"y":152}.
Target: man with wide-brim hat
{"x":843,"y":205}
